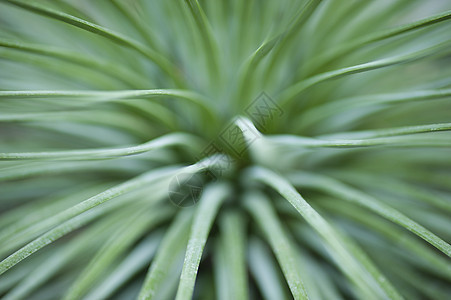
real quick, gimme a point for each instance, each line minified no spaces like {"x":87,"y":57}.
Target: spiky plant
{"x":311,"y":139}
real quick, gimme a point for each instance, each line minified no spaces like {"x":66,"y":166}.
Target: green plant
{"x":341,"y":187}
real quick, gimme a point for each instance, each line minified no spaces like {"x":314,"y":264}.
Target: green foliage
{"x":340,"y":188}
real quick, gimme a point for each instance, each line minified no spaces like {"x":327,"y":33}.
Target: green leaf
{"x":264,"y":270}
{"x":392,"y":137}
{"x":211,"y":48}
{"x":318,"y":113}
{"x":106,"y":67}
{"x":63,"y":255}
{"x":31,"y":169}
{"x":208,"y":207}
{"x":80,"y":214}
{"x":165,"y":65}
{"x":131,"y":230}
{"x":172,"y":245}
{"x":389,"y":132}
{"x":289,"y":94}
{"x":278,"y":41}
{"x":364,"y":274}
{"x":87,"y":154}
{"x":105,"y":96}
{"x":129,"y":267}
{"x":398,"y":187}
{"x":342,"y":50}
{"x":17,"y":233}
{"x":424,"y":256}
{"x":233,"y":237}
{"x":260,"y":208}
{"x":336,"y":188}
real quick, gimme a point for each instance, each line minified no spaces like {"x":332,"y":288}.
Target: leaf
{"x":424,"y":256}
{"x":165,"y":65}
{"x":277,"y":41}
{"x":289,"y":94}
{"x":131,"y":230}
{"x":390,"y":132}
{"x":87,"y":154}
{"x":340,"y":51}
{"x":105,"y":96}
{"x":326,"y":110}
{"x":208,"y":207}
{"x":392,"y":137}
{"x":211,"y":48}
{"x":62,"y":256}
{"x":80,"y":214}
{"x":129,"y":267}
{"x":398,"y":187}
{"x":173,"y":243}
{"x":335,"y":188}
{"x":233,"y":237}
{"x":364,"y":274}
{"x":31,"y":169}
{"x":15,"y":234}
{"x":264,"y":270}
{"x":106,"y":67}
{"x":260,"y":208}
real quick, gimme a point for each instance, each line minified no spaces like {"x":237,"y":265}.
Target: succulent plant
{"x":225,"y":149}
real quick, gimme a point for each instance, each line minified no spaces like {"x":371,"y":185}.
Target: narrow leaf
{"x":206,"y":211}
{"x":260,"y":208}
{"x":336,"y":188}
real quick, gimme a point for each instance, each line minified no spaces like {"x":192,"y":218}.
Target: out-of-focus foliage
{"x":341,"y":187}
